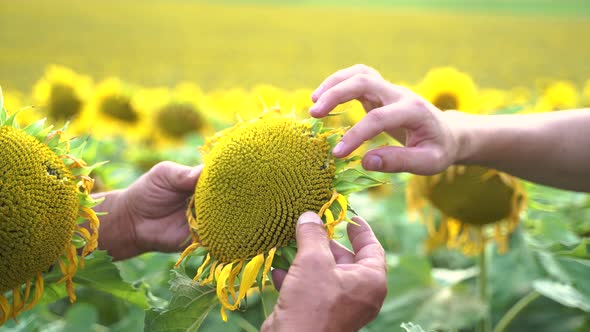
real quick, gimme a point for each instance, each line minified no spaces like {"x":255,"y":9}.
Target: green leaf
{"x":582,"y":250}
{"x":80,"y":318}
{"x":411,"y":327}
{"x":188,"y":308}
{"x":562,"y":293}
{"x":99,"y":273}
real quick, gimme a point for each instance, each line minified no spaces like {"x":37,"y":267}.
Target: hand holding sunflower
{"x":151,"y":214}
{"x":328,"y":287}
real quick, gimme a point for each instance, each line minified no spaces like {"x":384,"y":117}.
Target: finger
{"x":369,"y":251}
{"x":341,"y":254}
{"x":313,"y":245}
{"x":425,"y":160}
{"x":278,"y":276}
{"x":341,"y":75}
{"x":175,"y":176}
{"x":355,"y":87}
{"x":386,"y":118}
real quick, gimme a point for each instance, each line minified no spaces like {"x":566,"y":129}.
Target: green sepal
{"x":353,"y":180}
{"x":86,"y":170}
{"x":344,"y":162}
{"x":8,"y":120}
{"x":35,"y":128}
{"x":284,"y":256}
{"x":280,"y":262}
{"x":87,"y":201}
{"x":78,"y":242}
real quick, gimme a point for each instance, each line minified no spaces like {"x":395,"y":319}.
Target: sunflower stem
{"x":263,"y":302}
{"x":485,"y":323}
{"x":515,"y":310}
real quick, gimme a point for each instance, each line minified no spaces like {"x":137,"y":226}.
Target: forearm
{"x":549,"y":148}
{"x":116,"y":234}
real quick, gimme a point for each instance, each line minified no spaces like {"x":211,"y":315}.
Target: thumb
{"x":175,"y":176}
{"x":394,"y":159}
{"x":312,"y":239}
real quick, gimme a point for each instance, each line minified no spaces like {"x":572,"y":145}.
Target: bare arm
{"x":548,"y":148}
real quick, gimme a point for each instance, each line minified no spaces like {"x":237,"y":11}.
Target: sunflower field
{"x":99,"y":92}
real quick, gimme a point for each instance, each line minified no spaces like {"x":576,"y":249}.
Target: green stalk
{"x":482,"y":282}
{"x":515,"y":310}
{"x":263,"y":302}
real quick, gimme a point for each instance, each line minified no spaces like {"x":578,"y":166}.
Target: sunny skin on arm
{"x":150,"y":215}
{"x":549,"y":148}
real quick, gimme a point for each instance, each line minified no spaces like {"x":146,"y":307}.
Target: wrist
{"x":117,"y":233}
{"x":464,"y":130}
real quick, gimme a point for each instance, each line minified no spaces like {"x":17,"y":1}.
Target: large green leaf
{"x":99,"y":273}
{"x":188,"y":308}
{"x":433,"y":298}
{"x":411,"y":327}
{"x":562,"y":293}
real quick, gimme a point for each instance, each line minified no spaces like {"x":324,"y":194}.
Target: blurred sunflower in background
{"x":177,"y":114}
{"x":114,"y":112}
{"x":44,"y":198}
{"x":61,"y":94}
{"x":449,"y":89}
{"x":259,"y":177}
{"x":475,"y":205}
{"x":557,"y":95}
{"x":232,"y":104}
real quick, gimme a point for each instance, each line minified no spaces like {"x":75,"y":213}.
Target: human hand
{"x":150,"y":215}
{"x":329,"y":288}
{"x":431,"y":138}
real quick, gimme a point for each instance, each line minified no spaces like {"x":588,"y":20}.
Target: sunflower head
{"x":62,"y":93}
{"x":293,"y":171}
{"x":114,"y":111}
{"x":449,"y":89}
{"x":259,"y":177}
{"x":43,"y":196}
{"x":476,"y":205}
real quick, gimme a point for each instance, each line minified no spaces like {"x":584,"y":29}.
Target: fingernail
{"x":373,"y":163}
{"x":309,"y":217}
{"x":338,"y":148}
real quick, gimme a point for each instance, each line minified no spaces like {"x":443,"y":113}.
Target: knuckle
{"x":363,"y":79}
{"x":162,"y":167}
{"x":399,"y":164}
{"x":365,"y":69}
{"x":437,"y":159}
